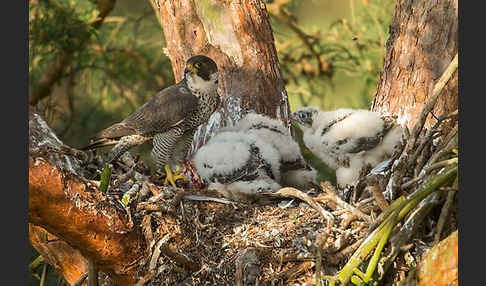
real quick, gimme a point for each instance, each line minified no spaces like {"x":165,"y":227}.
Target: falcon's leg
{"x":182,"y":146}
{"x":162,"y":152}
{"x":172,"y":177}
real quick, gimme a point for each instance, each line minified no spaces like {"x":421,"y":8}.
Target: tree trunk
{"x":237,"y":35}
{"x":423,"y":41}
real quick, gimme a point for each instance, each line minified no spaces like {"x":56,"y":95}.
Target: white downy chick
{"x":348,"y":140}
{"x":238,"y":165}
{"x":295,"y":172}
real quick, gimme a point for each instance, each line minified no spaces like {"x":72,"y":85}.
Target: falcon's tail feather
{"x":100,"y":142}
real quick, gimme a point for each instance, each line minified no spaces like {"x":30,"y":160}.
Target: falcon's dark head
{"x":305,"y":115}
{"x":201,"y":73}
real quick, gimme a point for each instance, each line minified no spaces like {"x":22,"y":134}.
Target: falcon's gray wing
{"x":167,"y":109}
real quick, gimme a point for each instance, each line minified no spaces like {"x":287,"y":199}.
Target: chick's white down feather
{"x":229,"y":157}
{"x":272,"y":131}
{"x":295,"y":172}
{"x":227,"y":161}
{"x":348,"y":140}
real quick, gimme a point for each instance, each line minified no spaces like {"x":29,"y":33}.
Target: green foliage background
{"x":331,"y":54}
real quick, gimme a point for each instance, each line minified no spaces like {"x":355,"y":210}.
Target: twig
{"x":444,"y":213}
{"x":44,"y":275}
{"x":337,"y":258}
{"x":441,"y":164}
{"x":145,"y":279}
{"x":321,"y":240}
{"x":379,"y":236}
{"x":423,"y":158}
{"x":162,"y":247}
{"x":378,"y":195}
{"x":34,"y":264}
{"x":410,"y":227}
{"x":292,"y":272}
{"x":329,"y":189}
{"x":289,"y":191}
{"x":92,"y":273}
{"x":399,"y":169}
{"x":451,"y":142}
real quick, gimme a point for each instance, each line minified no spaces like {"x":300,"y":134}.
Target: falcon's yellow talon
{"x":172,"y":177}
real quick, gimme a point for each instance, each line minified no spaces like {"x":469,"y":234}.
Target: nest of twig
{"x":392,"y":217}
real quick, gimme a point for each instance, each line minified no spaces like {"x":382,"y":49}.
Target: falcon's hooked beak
{"x":190,"y":68}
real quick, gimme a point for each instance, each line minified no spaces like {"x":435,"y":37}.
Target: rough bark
{"x":66,"y":261}
{"x":64,"y":205}
{"x":238,"y":36}
{"x":440,"y":264}
{"x":423,"y":41}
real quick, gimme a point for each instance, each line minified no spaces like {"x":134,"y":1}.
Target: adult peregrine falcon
{"x":170,"y":118}
{"x":348,"y":140}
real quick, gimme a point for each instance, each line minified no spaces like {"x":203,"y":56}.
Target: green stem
{"x":34,"y":264}
{"x":380,"y":235}
{"x":105,"y":178}
{"x":376,"y":255}
{"x":393,"y":206}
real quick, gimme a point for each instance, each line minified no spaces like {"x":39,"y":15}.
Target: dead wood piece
{"x":163,"y":248}
{"x":294,"y":271}
{"x":337,"y":258}
{"x":330,"y":190}
{"x":147,"y":229}
{"x":289,"y":191}
{"x":443,"y":215}
{"x":348,"y":219}
{"x":378,"y":195}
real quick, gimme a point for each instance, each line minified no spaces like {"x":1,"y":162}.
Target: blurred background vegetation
{"x":331,"y":54}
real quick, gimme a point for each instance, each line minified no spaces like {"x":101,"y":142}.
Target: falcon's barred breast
{"x":170,"y":118}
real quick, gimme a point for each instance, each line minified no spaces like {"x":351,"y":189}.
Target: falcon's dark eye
{"x":197,"y":65}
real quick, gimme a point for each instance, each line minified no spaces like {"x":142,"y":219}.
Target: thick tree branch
{"x":63,"y":204}
{"x":84,"y":218}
